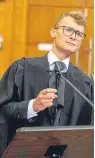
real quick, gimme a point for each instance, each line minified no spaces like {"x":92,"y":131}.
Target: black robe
{"x":23,"y":81}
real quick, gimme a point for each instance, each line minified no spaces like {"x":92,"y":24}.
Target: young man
{"x":25,"y":95}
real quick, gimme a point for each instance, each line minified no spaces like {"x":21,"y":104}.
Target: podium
{"x":38,"y":142}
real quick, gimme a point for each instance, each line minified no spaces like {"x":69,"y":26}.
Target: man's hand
{"x":44,"y":99}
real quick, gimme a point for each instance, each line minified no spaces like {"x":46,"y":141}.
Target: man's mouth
{"x":70,"y":43}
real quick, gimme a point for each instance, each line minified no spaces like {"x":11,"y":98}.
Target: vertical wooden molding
{"x":19,"y":29}
{"x":6,"y":17}
{"x":90,"y":56}
{"x":77,"y":58}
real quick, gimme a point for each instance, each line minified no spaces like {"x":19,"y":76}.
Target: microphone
{"x":79,"y":92}
{"x":57,"y":76}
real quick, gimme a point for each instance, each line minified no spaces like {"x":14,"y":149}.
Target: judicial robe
{"x":23,"y":81}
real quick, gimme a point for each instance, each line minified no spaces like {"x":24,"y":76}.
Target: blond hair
{"x":77,"y":15}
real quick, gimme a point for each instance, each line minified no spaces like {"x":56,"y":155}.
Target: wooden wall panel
{"x":61,"y":3}
{"x":89,"y":3}
{"x":32,"y":51}
{"x":90,"y":33}
{"x":84,"y":52}
{"x":19,"y":29}
{"x":6,"y":19}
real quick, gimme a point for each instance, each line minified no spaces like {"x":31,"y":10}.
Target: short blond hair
{"x":77,"y":15}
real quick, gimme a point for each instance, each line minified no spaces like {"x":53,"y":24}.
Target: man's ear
{"x":53,"y":33}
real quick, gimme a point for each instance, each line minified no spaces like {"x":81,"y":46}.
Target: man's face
{"x":67,"y":43}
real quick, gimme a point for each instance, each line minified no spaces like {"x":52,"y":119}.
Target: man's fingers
{"x":43,"y":107}
{"x":45,"y":102}
{"x":44,"y":99}
{"x":48,"y":96}
{"x":46,"y":105}
{"x":48,"y":90}
{"x":42,"y":104}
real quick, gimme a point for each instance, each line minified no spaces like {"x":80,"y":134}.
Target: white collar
{"x":52,"y":58}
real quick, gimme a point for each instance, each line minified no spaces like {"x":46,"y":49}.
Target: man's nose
{"x":73,"y":36}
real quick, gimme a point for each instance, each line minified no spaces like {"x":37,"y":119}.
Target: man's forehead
{"x":67,"y":20}
{"x":70,"y":22}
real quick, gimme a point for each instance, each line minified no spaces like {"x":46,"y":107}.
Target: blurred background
{"x":25,"y":30}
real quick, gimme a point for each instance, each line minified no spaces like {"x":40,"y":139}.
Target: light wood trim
{"x":58,"y":3}
{"x":6,"y":18}
{"x":90,"y":3}
{"x":19,"y":29}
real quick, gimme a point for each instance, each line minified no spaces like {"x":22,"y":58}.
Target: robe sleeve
{"x":10,"y":92}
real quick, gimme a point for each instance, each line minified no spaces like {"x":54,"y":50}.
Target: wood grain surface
{"x":33,"y":144}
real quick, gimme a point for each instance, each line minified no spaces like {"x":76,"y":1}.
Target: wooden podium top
{"x":33,"y":142}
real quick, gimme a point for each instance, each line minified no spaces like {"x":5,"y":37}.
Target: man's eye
{"x":79,"y":34}
{"x":68,"y":29}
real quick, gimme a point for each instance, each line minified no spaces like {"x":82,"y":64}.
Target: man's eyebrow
{"x":74,"y":29}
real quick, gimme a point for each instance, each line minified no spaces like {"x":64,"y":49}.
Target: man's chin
{"x":71,"y":49}
{"x":69,"y":52}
